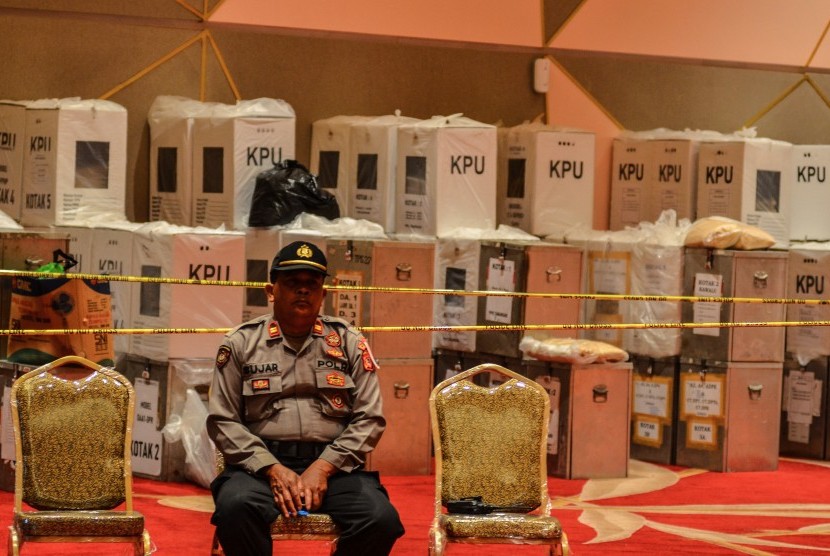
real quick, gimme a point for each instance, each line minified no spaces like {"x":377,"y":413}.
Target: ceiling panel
{"x":768,"y":32}
{"x":482,"y":21}
{"x":802,"y":117}
{"x":144,"y":8}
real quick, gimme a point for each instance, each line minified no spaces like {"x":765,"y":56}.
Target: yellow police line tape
{"x":433,"y":328}
{"x":429,"y":291}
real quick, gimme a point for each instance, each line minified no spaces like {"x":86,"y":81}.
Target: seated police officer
{"x":295,"y":407}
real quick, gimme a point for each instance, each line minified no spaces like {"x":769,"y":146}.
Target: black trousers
{"x":356,"y":501}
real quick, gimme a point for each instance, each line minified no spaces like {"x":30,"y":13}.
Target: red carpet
{"x":657,"y":510}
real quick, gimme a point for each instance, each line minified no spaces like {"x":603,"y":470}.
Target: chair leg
{"x":436,"y":542}
{"x":142,"y":545}
{"x":14,"y":542}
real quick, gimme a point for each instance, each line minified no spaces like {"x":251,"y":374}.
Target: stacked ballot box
{"x":12,"y":134}
{"x":446,"y":176}
{"x":9,"y":372}
{"x":75,"y":166}
{"x":545,"y":178}
{"x":24,"y":250}
{"x":729,"y":415}
{"x":804,"y":426}
{"x":588,"y":402}
{"x":749,"y":180}
{"x":654,"y":391}
{"x":232,"y":145}
{"x":731,"y":273}
{"x":188,"y":254}
{"x":405,"y":448}
{"x":160,"y":395}
{"x":383,"y":263}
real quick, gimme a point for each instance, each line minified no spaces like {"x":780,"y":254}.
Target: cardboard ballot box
{"x":631,"y":166}
{"x":12,"y":134}
{"x":730,"y":273}
{"x":177,"y":252}
{"x":545,"y":178}
{"x":672,"y":178}
{"x":446,"y":176}
{"x":729,"y":415}
{"x":810,"y":196}
{"x":748,"y":180}
{"x":654,"y":409}
{"x":804,"y":426}
{"x":75,"y":167}
{"x":23,"y":250}
{"x":590,"y":416}
{"x":231,"y":147}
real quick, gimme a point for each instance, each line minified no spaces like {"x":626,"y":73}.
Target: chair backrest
{"x":491,"y":442}
{"x":73,"y":424}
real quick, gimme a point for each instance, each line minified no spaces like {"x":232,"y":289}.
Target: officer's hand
{"x":315,"y":479}
{"x":287,"y":488}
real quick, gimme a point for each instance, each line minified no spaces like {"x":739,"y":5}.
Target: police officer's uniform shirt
{"x":263,"y":390}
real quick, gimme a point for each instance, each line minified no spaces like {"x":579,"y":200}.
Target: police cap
{"x":299,"y":255}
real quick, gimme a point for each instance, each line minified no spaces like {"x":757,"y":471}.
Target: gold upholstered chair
{"x":73,"y":427}
{"x":313,"y":527}
{"x":490,"y":447}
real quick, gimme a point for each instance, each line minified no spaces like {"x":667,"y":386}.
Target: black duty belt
{"x":296,"y":449}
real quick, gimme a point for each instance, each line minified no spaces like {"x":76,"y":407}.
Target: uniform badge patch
{"x":333,"y":339}
{"x":334,"y":352}
{"x":337,"y":401}
{"x":222,"y":357}
{"x":370,"y":364}
{"x":335,"y":379}
{"x":260,"y":384}
{"x":274,"y":329}
{"x":318,"y":328}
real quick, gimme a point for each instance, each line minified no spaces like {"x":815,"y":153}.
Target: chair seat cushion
{"x":501,"y":525}
{"x":103,"y":523}
{"x":311,"y":524}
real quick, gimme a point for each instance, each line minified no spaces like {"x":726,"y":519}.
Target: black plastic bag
{"x":287,"y":190}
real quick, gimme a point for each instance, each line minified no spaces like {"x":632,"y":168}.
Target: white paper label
{"x":707,"y":285}
{"x":647,"y":430}
{"x":610,"y":276}
{"x":798,"y":432}
{"x":347,"y":304}
{"x":147,"y":438}
{"x":701,"y":433}
{"x":501,"y":277}
{"x":703,"y":398}
{"x":651,"y":398}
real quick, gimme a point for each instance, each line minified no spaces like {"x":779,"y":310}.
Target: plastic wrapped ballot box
{"x":160,"y":395}
{"x":545,"y":178}
{"x":804,"y":427}
{"x":810,"y":196}
{"x":405,"y":448}
{"x":590,"y":416}
{"x":232,"y":145}
{"x":24,"y":251}
{"x":75,"y":163}
{"x":383,"y":263}
{"x":12,"y":133}
{"x":630,"y":169}
{"x":654,"y":409}
{"x":749,"y":180}
{"x":728,"y":273}
{"x":808,"y":277}
{"x":729,"y":415}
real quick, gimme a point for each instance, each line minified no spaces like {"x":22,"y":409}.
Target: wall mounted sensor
{"x":541,"y":75}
